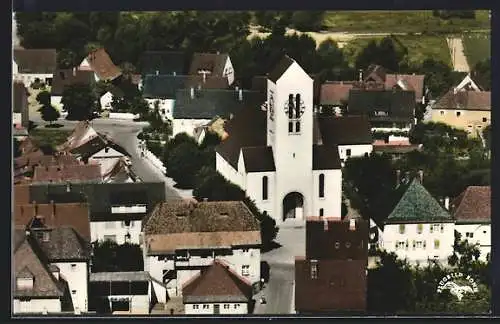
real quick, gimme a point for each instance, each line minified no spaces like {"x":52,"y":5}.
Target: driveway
{"x":457,"y":54}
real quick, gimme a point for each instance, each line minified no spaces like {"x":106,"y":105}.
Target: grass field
{"x":477,"y":47}
{"x":401,"y":21}
{"x":420,"y":47}
{"x":49,"y":136}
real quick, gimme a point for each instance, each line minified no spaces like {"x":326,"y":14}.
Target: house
{"x":181,"y":237}
{"x":395,"y":146}
{"x":99,"y":150}
{"x":216,"y":125}
{"x":101,"y":64}
{"x":335,"y":94}
{"x":196,"y":107}
{"x":107,"y":98}
{"x":120,"y":293}
{"x":116,"y":209}
{"x":213,"y":64}
{"x":58,"y":279}
{"x":82,"y":133}
{"x":24,"y":165}
{"x":118,"y":172}
{"x":30,"y":65}
{"x":67,"y":173}
{"x":279,"y":154}
{"x":162,"y":63}
{"x":468,"y":84}
{"x":387,"y":110}
{"x":469,"y":110}
{"x":67,"y":77}
{"x":217,"y":290}
{"x":417,"y":228}
{"x":20,"y":133}
{"x":331,"y":278}
{"x":20,"y":107}
{"x":472,"y":213}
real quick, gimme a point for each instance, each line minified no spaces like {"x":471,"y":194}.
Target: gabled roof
{"x":280,"y":68}
{"x":215,"y":284}
{"x":413,"y":82}
{"x":65,"y":173}
{"x":166,"y":86}
{"x":67,"y":77}
{"x":64,"y":243}
{"x":346,"y":130}
{"x":465,"y":100}
{"x":375,"y":72}
{"x":417,"y":205}
{"x":35,"y":61}
{"x":326,"y":157}
{"x":258,"y":159}
{"x":208,"y":103}
{"x":396,"y":103}
{"x":212,"y":62}
{"x":162,"y":62}
{"x":95,"y":145}
{"x":335,"y":92}
{"x":82,"y":133}
{"x":102,"y":65}
{"x":473,"y":205}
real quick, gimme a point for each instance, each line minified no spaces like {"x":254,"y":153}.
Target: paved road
{"x":457,"y":54}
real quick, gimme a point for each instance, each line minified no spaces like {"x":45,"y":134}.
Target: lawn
{"x":49,"y":136}
{"x":420,"y":47}
{"x":401,"y":21}
{"x":477,"y":47}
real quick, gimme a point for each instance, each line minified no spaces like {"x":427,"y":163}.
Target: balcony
{"x":135,"y":209}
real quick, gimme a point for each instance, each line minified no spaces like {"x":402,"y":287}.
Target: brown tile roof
{"x":258,"y":159}
{"x":473,"y":205}
{"x":376,"y":73}
{"x":63,"y":78}
{"x":28,"y":261}
{"x":340,"y":286}
{"x":411,"y":81}
{"x":21,"y":194}
{"x":77,"y":137}
{"x":64,"y":173}
{"x":465,"y":100}
{"x":102,"y":65}
{"x":36,"y":61}
{"x":335,"y":93}
{"x":75,"y":215}
{"x":63,"y":244}
{"x":216,"y":284}
{"x":345,"y":130}
{"x":210,"y":82}
{"x":209,"y":62}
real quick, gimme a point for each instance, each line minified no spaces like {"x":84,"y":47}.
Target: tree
{"x":487,"y":137}
{"x":482,"y":73}
{"x":80,"y":102}
{"x":331,"y":61}
{"x":43,"y":98}
{"x":49,"y":113}
{"x":184,"y":161}
{"x":176,"y":141}
{"x":111,"y":257}
{"x":367,"y":56}
{"x":307,"y":20}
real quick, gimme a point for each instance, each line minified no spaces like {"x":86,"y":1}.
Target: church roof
{"x":325,"y":157}
{"x":280,"y":68}
{"x":258,"y":159}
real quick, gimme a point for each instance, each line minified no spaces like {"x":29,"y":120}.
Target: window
{"x":442,"y":228}
{"x":73,"y":292}
{"x":205,"y":306}
{"x":245,"y":270}
{"x":485,"y":119}
{"x":321,"y":212}
{"x":290,"y":127}
{"x":46,"y":236}
{"x":347,"y":244}
{"x":110,"y":238}
{"x":348,"y":152}
{"x":73,"y":267}
{"x":442,"y":112}
{"x":236,"y":306}
{"x":469,"y":234}
{"x":322,"y":185}
{"x":126,"y":223}
{"x":226,"y":306}
{"x":484,"y":232}
{"x":337,"y":245}
{"x":245,"y":250}
{"x":425,"y":244}
{"x":420,"y":228}
{"x":401,"y":229}
{"x":314,"y":269}
{"x":297,"y":127}
{"x":419,"y":244}
{"x":196,"y":306}
{"x":436,"y":244}
{"x":434,"y":228}
{"x":458,"y":113}
{"x":264,"y":188}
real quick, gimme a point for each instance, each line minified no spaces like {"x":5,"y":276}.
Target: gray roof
{"x":95,"y":145}
{"x":326,"y":157}
{"x":345,"y":130}
{"x":280,"y":68}
{"x":64,"y":244}
{"x":214,"y":62}
{"x":398,"y":104}
{"x":163,"y":62}
{"x":119,"y":276}
{"x":258,"y":159}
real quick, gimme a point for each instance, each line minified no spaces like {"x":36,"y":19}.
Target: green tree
{"x":368,"y":55}
{"x":49,"y":113}
{"x":176,"y":141}
{"x":43,"y":98}
{"x":80,"y":102}
{"x":482,"y":73}
{"x":487,"y":137}
{"x":309,"y":20}
{"x":37,"y":29}
{"x":111,"y":257}
{"x":331,"y":61}
{"x":184,"y":161}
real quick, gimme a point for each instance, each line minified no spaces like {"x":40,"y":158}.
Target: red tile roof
{"x":465,"y":100}
{"x":102,"y":65}
{"x":473,"y":205}
{"x":335,"y":93}
{"x":63,"y":173}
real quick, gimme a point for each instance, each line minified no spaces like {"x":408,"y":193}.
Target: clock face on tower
{"x":293,"y":106}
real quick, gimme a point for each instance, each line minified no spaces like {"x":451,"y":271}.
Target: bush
{"x":111,"y":257}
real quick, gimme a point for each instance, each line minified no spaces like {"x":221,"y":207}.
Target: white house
{"x":418,"y":228}
{"x":472,"y":213}
{"x":106,"y":100}
{"x":183,"y":237}
{"x":283,"y":155}
{"x":29,"y":65}
{"x":228,"y":292}
{"x":122,"y":226}
{"x":467,"y":84}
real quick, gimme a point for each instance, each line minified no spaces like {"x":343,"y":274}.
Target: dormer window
{"x":25,"y":280}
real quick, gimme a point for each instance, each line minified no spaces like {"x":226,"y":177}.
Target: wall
{"x":481,"y":234}
{"x":155,"y":267}
{"x":98,"y":230}
{"x":52,"y":305}
{"x":332,"y":200}
{"x":254,"y":190}
{"x":446,"y":239}
{"x":233,"y":309}
{"x":139,"y":304}
{"x":28,"y":79}
{"x":107,"y":152}
{"x":187,"y":125}
{"x":157,"y":163}
{"x":229,"y":71}
{"x":56,"y":102}
{"x":106,"y":100}
{"x":15,"y":69}
{"x":469,"y":120}
{"x":125,"y":116}
{"x":224,"y":168}
{"x":17,"y":119}
{"x":77,"y":279}
{"x":166,"y":107}
{"x":356,"y":150}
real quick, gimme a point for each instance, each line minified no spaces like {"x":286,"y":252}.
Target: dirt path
{"x":457,"y":54}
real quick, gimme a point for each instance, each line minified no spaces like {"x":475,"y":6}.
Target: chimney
{"x":240,"y":95}
{"x":74,"y":71}
{"x":204,"y":77}
{"x":421,"y":176}
{"x":191,"y":91}
{"x":157,"y":72}
{"x":52,"y":203}
{"x":236,"y":88}
{"x":325,"y":224}
{"x":447,"y":203}
{"x":398,"y":177}
{"x":360,"y":75}
{"x":352,"y":225}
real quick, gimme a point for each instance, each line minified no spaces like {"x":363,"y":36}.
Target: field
{"x":419,"y":48}
{"x":401,"y":22}
{"x":49,"y":137}
{"x":477,"y":47}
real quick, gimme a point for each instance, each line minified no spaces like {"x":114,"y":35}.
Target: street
{"x":457,"y":54}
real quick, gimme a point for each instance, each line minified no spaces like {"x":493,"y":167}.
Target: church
{"x":284,"y":155}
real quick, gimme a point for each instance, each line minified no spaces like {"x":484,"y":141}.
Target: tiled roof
{"x":413,"y":82}
{"x":35,"y":61}
{"x":376,"y":73}
{"x":166,"y":86}
{"x":280,"y":68}
{"x":78,"y":137}
{"x":120,"y":276}
{"x":95,"y":145}
{"x":215,"y":284}
{"x":102,"y":65}
{"x":64,"y":244}
{"x":335,"y":93}
{"x":65,"y":78}
{"x":465,"y":100}
{"x":326,"y":157}
{"x":208,"y":103}
{"x":417,"y":205}
{"x":64,"y":173}
{"x":258,"y":159}
{"x":396,"y":103}
{"x":212,"y":62}
{"x":473,"y":205}
{"x":345,"y":130}
{"x":75,"y":215}
{"x":163,"y":62}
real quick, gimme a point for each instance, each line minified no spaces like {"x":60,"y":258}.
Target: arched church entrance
{"x":293,"y":206}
